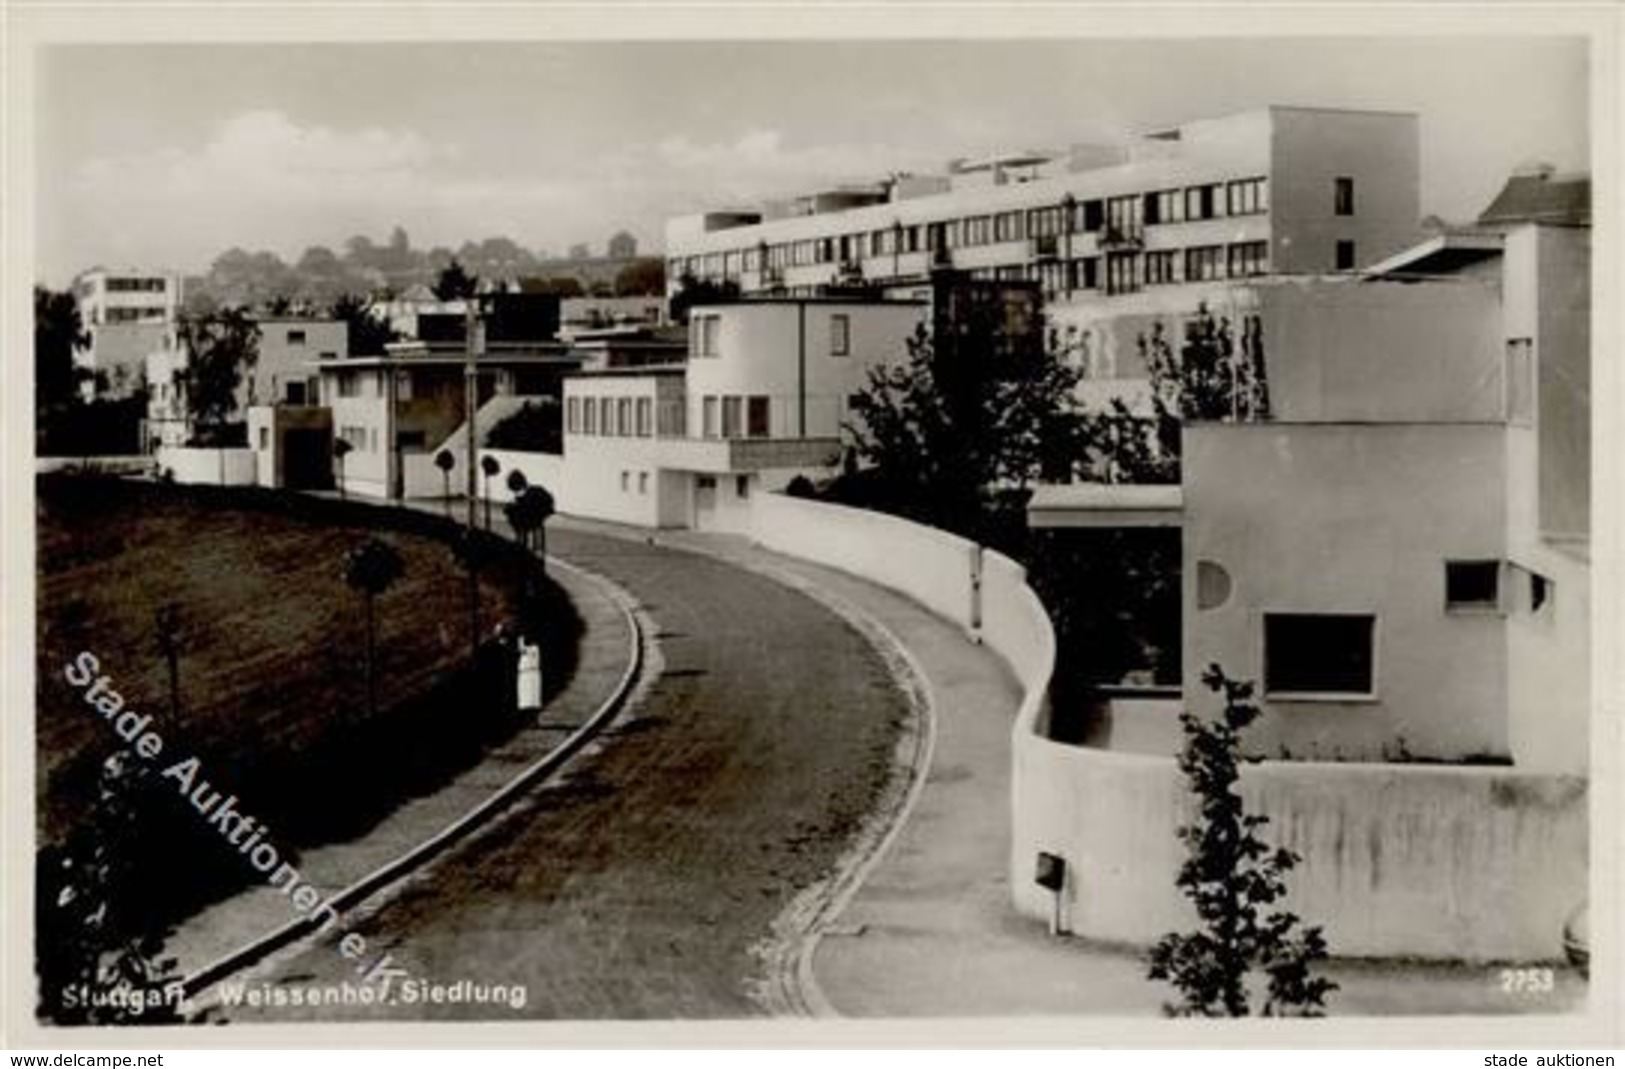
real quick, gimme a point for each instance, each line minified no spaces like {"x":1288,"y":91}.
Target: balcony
{"x":1045,"y":247}
{"x":1122,"y":239}
{"x":722,"y":456}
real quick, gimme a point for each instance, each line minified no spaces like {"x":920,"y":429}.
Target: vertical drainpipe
{"x":801,"y":369}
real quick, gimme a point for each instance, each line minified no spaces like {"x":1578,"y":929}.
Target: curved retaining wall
{"x":1420,"y":861}
{"x":933,"y":567}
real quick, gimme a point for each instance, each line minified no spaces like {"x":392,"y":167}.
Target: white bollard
{"x":530,"y":676}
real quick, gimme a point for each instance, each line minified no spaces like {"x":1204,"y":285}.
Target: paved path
{"x":645,"y":884}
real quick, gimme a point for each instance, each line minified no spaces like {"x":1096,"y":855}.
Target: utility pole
{"x":474,"y":335}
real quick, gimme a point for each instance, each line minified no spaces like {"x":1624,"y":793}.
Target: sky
{"x":164,"y":155}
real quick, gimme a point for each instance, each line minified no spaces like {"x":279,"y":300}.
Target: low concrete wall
{"x":933,"y":567}
{"x":1445,"y":862}
{"x":215,"y":467}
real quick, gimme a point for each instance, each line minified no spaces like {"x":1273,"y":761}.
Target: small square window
{"x":1472,"y":584}
{"x":1319,"y":654}
{"x":296,"y":337}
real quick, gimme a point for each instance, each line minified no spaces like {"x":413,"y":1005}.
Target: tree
{"x":455,"y":283}
{"x":537,"y":427}
{"x":367,"y":334}
{"x":341,"y":449}
{"x":956,"y":434}
{"x":93,"y":937}
{"x":1214,"y":377}
{"x":488,"y":467}
{"x":693,"y":292}
{"x":219,"y":348}
{"x":445,"y":462}
{"x":643,"y":276}
{"x":1231,"y":876}
{"x":528,"y":513}
{"x":372,"y":568}
{"x":58,"y":331}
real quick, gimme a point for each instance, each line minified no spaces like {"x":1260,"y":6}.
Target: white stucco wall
{"x":932,"y":567}
{"x":1344,"y":518}
{"x":214,"y":467}
{"x":1413,"y":861}
{"x":760,"y":353}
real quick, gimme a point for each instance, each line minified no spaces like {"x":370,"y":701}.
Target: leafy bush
{"x":1232,"y":876}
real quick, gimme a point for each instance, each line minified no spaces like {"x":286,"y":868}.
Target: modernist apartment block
{"x":1111,"y":232}
{"x":764,"y":395}
{"x":126,"y":315}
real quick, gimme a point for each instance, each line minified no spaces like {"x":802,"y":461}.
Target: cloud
{"x":266,"y":153}
{"x":761,"y":160}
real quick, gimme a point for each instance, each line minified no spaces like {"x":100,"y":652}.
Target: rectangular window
{"x":623,"y":417}
{"x":756,"y":417}
{"x":1203,"y":263}
{"x":294,"y":393}
{"x":1123,"y":218}
{"x":1007,"y":226}
{"x":411,"y":439}
{"x":1201,"y":202}
{"x":349,"y":384}
{"x":1160,"y":268}
{"x":671,"y":418}
{"x":572,"y":415}
{"x":1245,"y":197}
{"x":1472,"y":584}
{"x":606,"y":415}
{"x":646,"y":417}
{"x":730,"y":417}
{"x":1520,"y":381}
{"x":705,"y":335}
{"x":589,"y":414}
{"x":626,"y":481}
{"x":1122,"y":272}
{"x":840,"y":334}
{"x":708,"y":417}
{"x":1247,"y":258}
{"x":1343,"y":196}
{"x":643,"y":482}
{"x":1094,"y":215}
{"x":1345,"y":255}
{"x":296,"y":337}
{"x":742,"y":487}
{"x":1165,"y":206}
{"x":1319,"y":654}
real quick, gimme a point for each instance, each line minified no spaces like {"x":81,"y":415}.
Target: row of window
{"x":136,"y":285}
{"x":132,"y":315}
{"x":734,"y":417}
{"x":1119,"y":216}
{"x":626,"y":417}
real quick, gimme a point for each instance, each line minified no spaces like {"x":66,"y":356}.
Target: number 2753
{"x":1526,"y":981}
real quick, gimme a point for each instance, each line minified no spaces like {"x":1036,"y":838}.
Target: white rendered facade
{"x":126,"y":315}
{"x":763,"y":396}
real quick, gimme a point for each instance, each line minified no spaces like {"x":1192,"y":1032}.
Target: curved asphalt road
{"x":638,"y":886}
